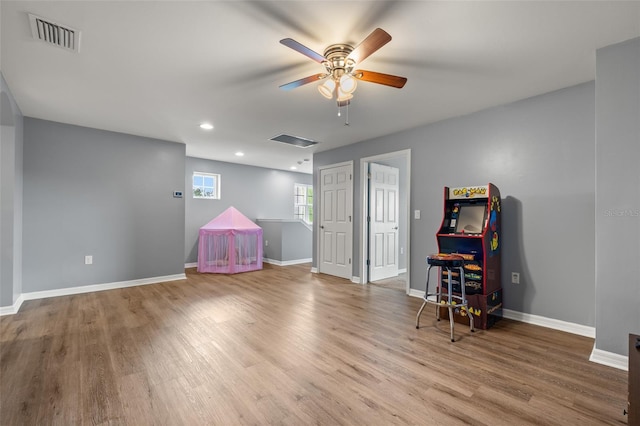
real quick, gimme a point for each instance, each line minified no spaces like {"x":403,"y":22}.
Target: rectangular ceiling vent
{"x":294,"y":140}
{"x":54,"y":33}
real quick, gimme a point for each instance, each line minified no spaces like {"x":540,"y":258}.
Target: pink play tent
{"x":230,"y":243}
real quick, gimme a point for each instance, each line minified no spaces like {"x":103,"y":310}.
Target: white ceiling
{"x":159,"y":69}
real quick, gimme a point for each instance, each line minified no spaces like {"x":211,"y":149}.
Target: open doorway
{"x":381,"y":249}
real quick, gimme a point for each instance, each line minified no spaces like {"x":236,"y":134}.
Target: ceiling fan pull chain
{"x":346,"y":122}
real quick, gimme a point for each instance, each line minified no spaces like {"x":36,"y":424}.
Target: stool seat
{"x":453,"y":302}
{"x":450,"y":260}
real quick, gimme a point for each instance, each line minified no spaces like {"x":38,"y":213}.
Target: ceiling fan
{"x":340,"y":61}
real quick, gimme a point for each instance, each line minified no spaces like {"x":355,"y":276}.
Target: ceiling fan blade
{"x":376,"y":77}
{"x":306,"y":80}
{"x":373,"y":42}
{"x":289,"y":42}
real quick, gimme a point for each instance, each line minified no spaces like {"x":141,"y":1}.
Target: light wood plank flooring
{"x":284,"y":346}
{"x":396,"y":283}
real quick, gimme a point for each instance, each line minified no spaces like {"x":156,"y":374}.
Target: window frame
{"x":307,"y":206}
{"x":215,"y":188}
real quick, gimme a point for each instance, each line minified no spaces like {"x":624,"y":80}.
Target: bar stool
{"x":450,"y":263}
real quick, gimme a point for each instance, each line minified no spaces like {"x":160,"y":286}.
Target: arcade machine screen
{"x":470,"y":219}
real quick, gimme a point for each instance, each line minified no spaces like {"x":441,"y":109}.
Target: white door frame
{"x":316,"y":217}
{"x":364,"y":202}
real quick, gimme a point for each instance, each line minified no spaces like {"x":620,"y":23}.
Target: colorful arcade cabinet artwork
{"x":471,"y":226}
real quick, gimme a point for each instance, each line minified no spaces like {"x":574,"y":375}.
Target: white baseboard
{"x":402,"y":271}
{"x":286,"y":262}
{"x":314,"y":270}
{"x":355,"y":280}
{"x":100,"y":287}
{"x":416,"y":293}
{"x":569,"y":327}
{"x":265,"y":260}
{"x":597,"y":355}
{"x":610,"y":359}
{"x":13,"y":309}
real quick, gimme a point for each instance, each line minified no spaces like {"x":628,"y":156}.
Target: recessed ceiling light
{"x":294,"y":168}
{"x":240,"y":154}
{"x":206,"y":126}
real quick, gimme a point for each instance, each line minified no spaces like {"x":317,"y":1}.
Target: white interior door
{"x":336,"y":204}
{"x":383,"y":224}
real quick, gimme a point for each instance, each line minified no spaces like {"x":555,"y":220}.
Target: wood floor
{"x":397,"y":283}
{"x":284,"y":346}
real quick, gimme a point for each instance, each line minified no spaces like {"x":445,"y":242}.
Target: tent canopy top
{"x":231,"y":218}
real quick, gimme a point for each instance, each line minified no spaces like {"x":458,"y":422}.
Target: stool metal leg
{"x":426,"y":295}
{"x":420,"y":313}
{"x":450,"y":302}
{"x":465,"y":302}
{"x":451,"y":322}
{"x":438,"y":294}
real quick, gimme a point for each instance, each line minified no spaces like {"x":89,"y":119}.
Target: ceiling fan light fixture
{"x":348,"y":84}
{"x":326,"y":89}
{"x":339,"y":62}
{"x":343,"y":97}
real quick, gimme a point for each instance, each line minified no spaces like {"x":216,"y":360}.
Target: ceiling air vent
{"x":294,"y":140}
{"x":54,"y":33}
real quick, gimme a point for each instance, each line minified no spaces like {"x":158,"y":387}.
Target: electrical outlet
{"x":88,"y":260}
{"x":401,"y":250}
{"x":416,"y":214}
{"x":266,"y":243}
{"x":515,"y":278}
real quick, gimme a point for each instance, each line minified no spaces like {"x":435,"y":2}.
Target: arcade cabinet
{"x":471,"y":227}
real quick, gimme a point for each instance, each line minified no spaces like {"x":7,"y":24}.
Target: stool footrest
{"x":433,"y":298}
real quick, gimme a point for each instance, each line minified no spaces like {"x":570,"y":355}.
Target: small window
{"x":206,"y":185}
{"x":303,"y":202}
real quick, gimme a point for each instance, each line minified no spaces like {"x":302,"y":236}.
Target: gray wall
{"x":257,"y":192}
{"x":11,"y":152}
{"x":296,"y":241}
{"x":540,"y":152}
{"x":272,"y":239}
{"x":99,"y":193}
{"x":285,"y":240}
{"x":617,"y":195}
